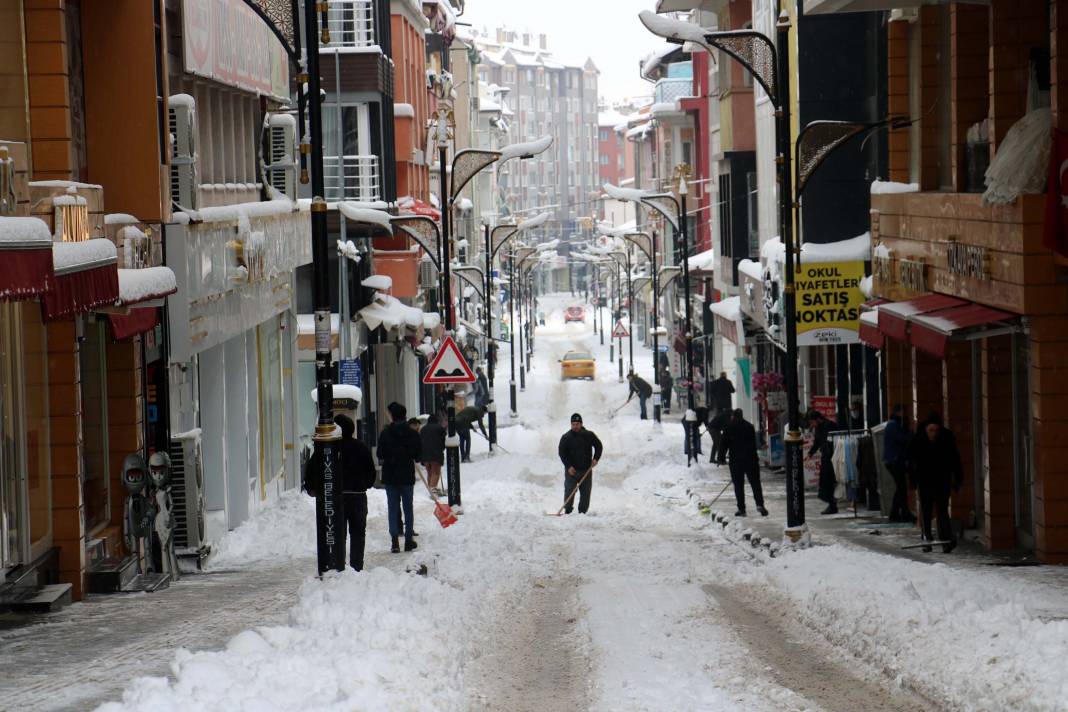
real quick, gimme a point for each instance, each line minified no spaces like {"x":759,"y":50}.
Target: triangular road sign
{"x":449,"y":366}
{"x":619,"y":331}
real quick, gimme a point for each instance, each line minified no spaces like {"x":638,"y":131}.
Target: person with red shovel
{"x":579,"y":450}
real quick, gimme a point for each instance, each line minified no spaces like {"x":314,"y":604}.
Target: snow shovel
{"x":570,"y":497}
{"x":714,"y":499}
{"x":442,"y":511}
{"x":494,"y":444}
{"x":612,"y":413}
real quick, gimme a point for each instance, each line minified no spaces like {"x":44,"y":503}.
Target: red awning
{"x":419,"y":207}
{"x":25,"y":258}
{"x":138,"y":321}
{"x":894,"y":316}
{"x":868,"y":331}
{"x":931,"y":331}
{"x":85,"y":278}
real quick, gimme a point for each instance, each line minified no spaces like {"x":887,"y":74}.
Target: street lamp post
{"x":647,"y":245}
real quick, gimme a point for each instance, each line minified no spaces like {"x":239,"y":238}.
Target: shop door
{"x":1023,"y":470}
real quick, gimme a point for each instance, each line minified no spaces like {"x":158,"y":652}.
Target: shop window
{"x":11,"y":513}
{"x":272,"y":416}
{"x":725,"y":221}
{"x":38,"y":440}
{"x":751,"y":205}
{"x":94,"y":386}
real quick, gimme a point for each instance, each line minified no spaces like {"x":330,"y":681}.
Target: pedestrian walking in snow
{"x":357,"y":469}
{"x":399,"y":448}
{"x":641,"y":388}
{"x":740,"y":443}
{"x":722,"y":389}
{"x":716,"y":426}
{"x":895,"y":456}
{"x":465,"y":420}
{"x":432,"y":437}
{"x":936,"y":470}
{"x":702,"y":419}
{"x":579,"y":450}
{"x":821,"y":443}
{"x":666,"y":384}
{"x":481,"y":388}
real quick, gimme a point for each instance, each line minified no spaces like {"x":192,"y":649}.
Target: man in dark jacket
{"x":465,"y":420}
{"x":716,"y":426}
{"x":895,"y":457}
{"x":432,"y":437}
{"x":399,"y":448}
{"x":935,"y":466}
{"x":722,"y":389}
{"x":740,"y":441}
{"x":666,"y":384}
{"x":640,"y":387}
{"x":821,"y":443}
{"x":579,"y":450}
{"x":481,"y":388}
{"x":357,"y":469}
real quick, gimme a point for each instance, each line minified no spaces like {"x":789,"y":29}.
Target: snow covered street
{"x":642,"y":604}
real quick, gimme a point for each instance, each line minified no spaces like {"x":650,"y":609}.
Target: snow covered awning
{"x":148,"y":284}
{"x":25,"y":258}
{"x":894,"y":317}
{"x":728,"y":314}
{"x":410,"y":206}
{"x":702,"y":262}
{"x":931,"y":332}
{"x":86,"y":277}
{"x":390,"y":313}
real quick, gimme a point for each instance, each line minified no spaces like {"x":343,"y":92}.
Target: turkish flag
{"x":1055,"y":234}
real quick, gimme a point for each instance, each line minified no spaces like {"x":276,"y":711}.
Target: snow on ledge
{"x":889,"y":187}
{"x":139,"y":285}
{"x":24,"y":232}
{"x":365,"y":215}
{"x":703,"y":260}
{"x":120,"y":219}
{"x":406,"y":111}
{"x":378,"y":281}
{"x":618,"y":193}
{"x":751,"y":268}
{"x":341,"y":390}
{"x":76,"y":256}
{"x":390,"y":313}
{"x":529,"y":148}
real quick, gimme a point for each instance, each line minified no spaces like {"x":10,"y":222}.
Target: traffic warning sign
{"x":449,"y":366}
{"x":619,"y":331}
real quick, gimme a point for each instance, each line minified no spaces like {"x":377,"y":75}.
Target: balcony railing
{"x":669,"y":90}
{"x":351,"y":23}
{"x":351,"y":178}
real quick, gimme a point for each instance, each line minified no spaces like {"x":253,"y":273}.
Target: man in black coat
{"x":722,"y":389}
{"x":740,"y":442}
{"x":432,"y":437}
{"x":935,"y":467}
{"x":640,"y":387}
{"x":895,"y":457}
{"x":580,"y":451}
{"x":716,"y":426}
{"x":399,"y":448}
{"x":821,"y":443}
{"x":357,"y":469}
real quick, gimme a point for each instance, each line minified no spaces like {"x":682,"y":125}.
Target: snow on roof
{"x":340,"y":390}
{"x":703,"y":260}
{"x":68,"y":184}
{"x":532,"y":222}
{"x":139,"y":285}
{"x":751,"y":268}
{"x":366,"y":215}
{"x":238,"y":211}
{"x":729,"y":308}
{"x":404,"y":110}
{"x":640,"y":130}
{"x":611,"y":118}
{"x":24,"y":232}
{"x":654,"y":58}
{"x":76,"y":256}
{"x":528,"y":148}
{"x":888,"y":187}
{"x":69,"y":199}
{"x":181,"y":100}
{"x":664,"y":107}
{"x":120,"y":219}
{"x":378,"y":281}
{"x":390,"y":313}
{"x":870,"y":316}
{"x":306,"y":324}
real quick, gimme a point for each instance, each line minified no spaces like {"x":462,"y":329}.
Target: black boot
{"x":946,"y":548}
{"x":396,"y":546}
{"x":410,"y":544}
{"x":763,"y":512}
{"x":740,"y":513}
{"x":832,"y":508}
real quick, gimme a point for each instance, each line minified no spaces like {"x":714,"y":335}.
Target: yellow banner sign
{"x":828,"y":303}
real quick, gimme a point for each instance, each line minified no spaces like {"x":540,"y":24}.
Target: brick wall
{"x":13,"y":106}
{"x":47,"y":70}
{"x":968,"y":48}
{"x":999,"y":531}
{"x":1049,"y":389}
{"x":957,"y":410}
{"x":125,"y":415}
{"x":1015,"y":27}
{"x":897,"y":89}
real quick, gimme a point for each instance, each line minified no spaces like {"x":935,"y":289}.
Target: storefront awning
{"x":141,"y":292}
{"x":138,"y":321}
{"x":894,"y":316}
{"x":931,"y":332}
{"x":868,"y":329}
{"x":25,"y":258}
{"x":85,"y":278}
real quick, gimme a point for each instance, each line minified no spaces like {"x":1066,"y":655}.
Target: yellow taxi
{"x":576,"y":364}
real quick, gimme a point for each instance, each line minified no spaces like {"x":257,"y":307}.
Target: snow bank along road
{"x":639,"y":605}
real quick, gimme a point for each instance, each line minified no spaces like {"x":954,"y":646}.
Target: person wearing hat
{"x":580,"y":450}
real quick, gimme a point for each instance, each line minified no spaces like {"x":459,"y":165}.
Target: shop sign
{"x":350,"y":373}
{"x":967,"y":260}
{"x":913,"y":275}
{"x":828,"y":302}
{"x":226,"y":41}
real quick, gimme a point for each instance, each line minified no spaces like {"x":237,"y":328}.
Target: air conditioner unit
{"x":282,"y":162}
{"x":187,"y":492}
{"x":183,"y":134}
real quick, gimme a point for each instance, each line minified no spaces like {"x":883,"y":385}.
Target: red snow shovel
{"x":570,"y":497}
{"x":442,"y":511}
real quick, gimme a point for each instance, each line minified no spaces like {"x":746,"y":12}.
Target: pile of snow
{"x":703,"y":261}
{"x":139,"y":285}
{"x":349,"y":250}
{"x":77,"y":256}
{"x":120,"y":219}
{"x":378,"y":281}
{"x":729,"y":308}
{"x":391,"y":313}
{"x":889,"y":187}
{"x":403,"y":111}
{"x":528,"y":148}
{"x":24,"y":232}
{"x":365,"y":215}
{"x":751,"y":268}
{"x":1019,"y":166}
{"x":672,"y":29}
{"x":853,"y":249}
{"x":866,"y":286}
{"x":634,"y":194}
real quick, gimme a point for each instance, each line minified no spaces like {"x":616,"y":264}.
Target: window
{"x":751,"y":204}
{"x":604,"y":134}
{"x":604,"y":159}
{"x":725,"y":247}
{"x":272,"y":423}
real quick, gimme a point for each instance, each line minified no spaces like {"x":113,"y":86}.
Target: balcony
{"x":351,"y":178}
{"x":670,"y":90}
{"x":351,"y":25}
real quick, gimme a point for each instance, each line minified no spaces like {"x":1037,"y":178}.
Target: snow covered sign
{"x":449,"y":366}
{"x":619,"y":331}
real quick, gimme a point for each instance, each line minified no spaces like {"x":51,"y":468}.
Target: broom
{"x":570,"y":497}
{"x":442,"y":511}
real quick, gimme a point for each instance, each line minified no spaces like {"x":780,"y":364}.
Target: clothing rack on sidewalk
{"x":849,"y":458}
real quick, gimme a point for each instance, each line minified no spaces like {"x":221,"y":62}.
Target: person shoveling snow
{"x":580,"y":451}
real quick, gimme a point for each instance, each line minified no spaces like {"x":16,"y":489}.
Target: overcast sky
{"x":608,"y":31}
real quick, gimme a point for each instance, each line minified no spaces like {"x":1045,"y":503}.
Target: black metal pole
{"x":329,"y":502}
{"x":452,"y":449}
{"x":795,"y":480}
{"x":491,"y":355}
{"x":522,"y":373}
{"x":619,"y":319}
{"x":691,"y":426}
{"x":511,"y":330}
{"x":657,"y":400}
{"x":630,"y":312}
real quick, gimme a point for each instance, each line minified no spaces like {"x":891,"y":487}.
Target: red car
{"x":574,"y":314}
